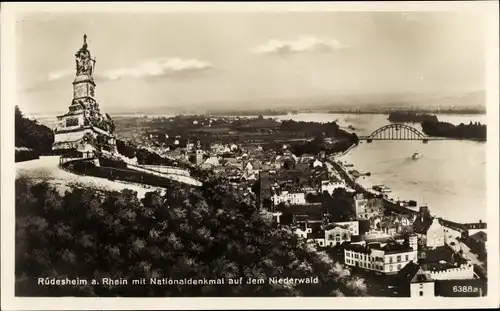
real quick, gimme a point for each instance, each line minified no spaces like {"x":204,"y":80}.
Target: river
{"x":450,"y":177}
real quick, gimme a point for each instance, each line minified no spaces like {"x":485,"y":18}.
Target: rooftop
{"x":316,"y":234}
{"x":409,"y":271}
{"x":333,"y":225}
{"x":479,"y":225}
{"x":421,"y":277}
{"x":451,"y":224}
{"x":303,"y":209}
{"x":441,"y":258}
{"x":440,"y":266}
{"x":422,"y":224}
{"x":390,"y":248}
{"x":437,"y":254}
{"x":479,"y":237}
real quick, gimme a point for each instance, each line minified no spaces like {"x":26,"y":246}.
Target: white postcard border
{"x":8,"y":100}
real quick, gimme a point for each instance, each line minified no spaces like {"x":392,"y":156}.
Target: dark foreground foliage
{"x":205,"y":232}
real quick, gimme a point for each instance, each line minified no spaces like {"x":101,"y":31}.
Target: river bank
{"x":450,"y":176}
{"x":353,"y":183}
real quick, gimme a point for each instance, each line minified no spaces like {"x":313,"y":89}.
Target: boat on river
{"x":382,"y":188}
{"x":416,"y":156}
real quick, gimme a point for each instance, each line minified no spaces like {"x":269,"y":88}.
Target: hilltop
{"x":201,"y":233}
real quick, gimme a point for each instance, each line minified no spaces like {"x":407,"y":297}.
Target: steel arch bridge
{"x":397,"y":132}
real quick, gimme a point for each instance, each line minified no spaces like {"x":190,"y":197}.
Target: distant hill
{"x":467,"y":102}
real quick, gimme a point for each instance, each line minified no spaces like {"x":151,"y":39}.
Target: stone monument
{"x":84,"y":127}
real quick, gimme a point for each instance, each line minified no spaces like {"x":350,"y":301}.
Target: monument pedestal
{"x":84,"y":128}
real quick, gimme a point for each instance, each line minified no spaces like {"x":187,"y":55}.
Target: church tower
{"x":84,"y":128}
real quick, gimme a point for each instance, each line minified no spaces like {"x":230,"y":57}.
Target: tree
{"x":30,"y":134}
{"x":207,"y":232}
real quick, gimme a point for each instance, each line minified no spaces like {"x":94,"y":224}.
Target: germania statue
{"x":84,"y":61}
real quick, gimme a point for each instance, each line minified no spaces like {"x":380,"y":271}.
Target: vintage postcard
{"x":228,"y":156}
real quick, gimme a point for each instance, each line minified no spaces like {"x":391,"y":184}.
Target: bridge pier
{"x":425,"y":140}
{"x":369,"y":140}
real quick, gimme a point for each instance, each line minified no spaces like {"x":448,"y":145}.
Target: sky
{"x":148,"y":61}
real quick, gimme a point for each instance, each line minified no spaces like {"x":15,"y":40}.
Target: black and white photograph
{"x":241,"y":153}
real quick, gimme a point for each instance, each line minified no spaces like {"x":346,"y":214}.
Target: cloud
{"x":303,"y":44}
{"x":158,"y":67}
{"x":60,"y":74}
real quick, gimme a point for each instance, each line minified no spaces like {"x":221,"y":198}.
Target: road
{"x":47,"y":169}
{"x":467,"y":253}
{"x":388,"y":204}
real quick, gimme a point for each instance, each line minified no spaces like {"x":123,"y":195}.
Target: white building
{"x":199,"y":156}
{"x":330,"y":186}
{"x":413,"y":241}
{"x":302,"y":231}
{"x":330,"y":235}
{"x":435,"y":234}
{"x":249,"y":167}
{"x":336,"y":234}
{"x":352,"y":225}
{"x":422,"y":285}
{"x":386,"y":259}
{"x":317,"y":163}
{"x":210,"y":163}
{"x":289,"y":198}
{"x":317,"y":237}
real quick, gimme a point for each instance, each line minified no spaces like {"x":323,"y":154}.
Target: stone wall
{"x":464,"y":272}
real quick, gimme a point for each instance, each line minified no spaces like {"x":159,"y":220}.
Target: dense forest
{"x":31,"y":138}
{"x":206,"y":232}
{"x":473,"y":130}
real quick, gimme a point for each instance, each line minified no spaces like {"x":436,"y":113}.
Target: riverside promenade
{"x":351,"y":182}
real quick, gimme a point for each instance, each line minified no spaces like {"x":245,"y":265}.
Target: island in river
{"x":411,"y":117}
{"x":473,"y":130}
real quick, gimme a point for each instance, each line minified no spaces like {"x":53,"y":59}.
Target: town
{"x":289,"y":169}
{"x":408,"y":250}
